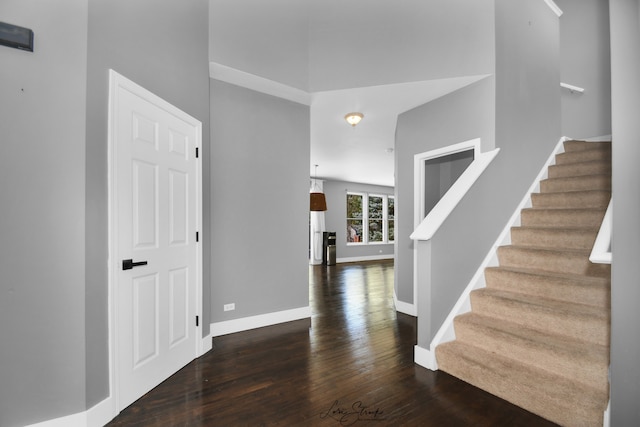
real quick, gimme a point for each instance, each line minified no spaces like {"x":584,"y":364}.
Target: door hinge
{"x":197,"y":321}
{"x":197,"y":236}
{"x":197,"y":152}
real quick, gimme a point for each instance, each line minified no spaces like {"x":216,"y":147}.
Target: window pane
{"x":391,"y":237}
{"x":375,"y":230}
{"x":391,"y":208}
{"x":375,"y":207}
{"x":354,"y":206}
{"x":354,"y":231}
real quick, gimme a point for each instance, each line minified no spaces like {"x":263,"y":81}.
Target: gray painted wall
{"x":453,"y":31}
{"x":441,"y":173}
{"x":625,"y":292}
{"x":585,"y":62}
{"x":336,"y":214}
{"x":42,"y":122}
{"x":260,"y":202}
{"x":527,"y":127}
{"x":162,"y":46}
{"x":463,"y":115}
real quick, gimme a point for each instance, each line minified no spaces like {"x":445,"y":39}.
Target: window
{"x":354,"y":218}
{"x":370,"y":218}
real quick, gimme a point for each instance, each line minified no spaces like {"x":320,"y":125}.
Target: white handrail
{"x":572,"y":88}
{"x":601,"y":252}
{"x":432,"y":222}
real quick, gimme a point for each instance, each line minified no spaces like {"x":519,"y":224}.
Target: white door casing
{"x":154,"y":214}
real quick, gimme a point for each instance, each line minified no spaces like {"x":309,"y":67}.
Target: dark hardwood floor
{"x":351,"y":364}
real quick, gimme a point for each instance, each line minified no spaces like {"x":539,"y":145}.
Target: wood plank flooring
{"x":351,"y":364}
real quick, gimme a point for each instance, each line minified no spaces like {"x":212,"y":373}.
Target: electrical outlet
{"x":229,"y":307}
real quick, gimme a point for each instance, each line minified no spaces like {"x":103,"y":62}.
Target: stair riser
{"x":552,"y":238}
{"x":575,"y":145}
{"x":593,"y":294}
{"x":579,"y":169}
{"x":572,"y":199}
{"x":582,"y":327}
{"x":591,"y":182}
{"x":531,"y":394}
{"x":562,"y":217}
{"x":588,"y":372}
{"x":583,"y":156}
{"x":553,"y":261}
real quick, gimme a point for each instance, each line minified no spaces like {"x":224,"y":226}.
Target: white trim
{"x":425,"y":358}
{"x":572,"y":88}
{"x":366,"y":258}
{"x":206,"y":345}
{"x":446,"y":331}
{"x":554,"y":7}
{"x":257,"y":83}
{"x":259,"y":321}
{"x":452,"y":197}
{"x":601,"y":252}
{"x":75,"y":420}
{"x":116,"y":81}
{"x":418,"y":191}
{"x":404,"y":307}
{"x":97,"y":416}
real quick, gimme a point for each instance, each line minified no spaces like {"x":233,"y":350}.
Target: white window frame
{"x":365,"y":218}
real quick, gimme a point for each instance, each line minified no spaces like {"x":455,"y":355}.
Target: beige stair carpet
{"x":538,"y":334}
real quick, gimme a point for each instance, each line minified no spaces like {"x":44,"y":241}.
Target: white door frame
{"x":117,"y":82}
{"x":419,"y":191}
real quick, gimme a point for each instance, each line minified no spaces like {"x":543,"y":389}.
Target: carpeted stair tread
{"x":538,"y":334}
{"x":572,"y":199}
{"x":578,"y":321}
{"x":551,"y":396}
{"x":574,"y":261}
{"x":588,"y":290}
{"x":562,"y":217}
{"x":597,"y":167}
{"x":578,"y":145}
{"x":554,"y":237}
{"x":583,"y":156}
{"x":582,"y":362}
{"x":576,"y":183}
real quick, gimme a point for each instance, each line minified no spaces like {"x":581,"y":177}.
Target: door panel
{"x":156,"y":218}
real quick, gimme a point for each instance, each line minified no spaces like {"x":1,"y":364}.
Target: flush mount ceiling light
{"x":353,"y":118}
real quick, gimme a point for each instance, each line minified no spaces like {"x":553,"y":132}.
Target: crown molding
{"x":554,"y":7}
{"x":257,"y":83}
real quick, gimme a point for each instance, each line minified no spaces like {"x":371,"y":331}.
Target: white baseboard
{"x":97,"y":416}
{"x":365,"y":258}
{"x":207,"y":344}
{"x":262,"y":320}
{"x":425,"y":358}
{"x":404,"y":307}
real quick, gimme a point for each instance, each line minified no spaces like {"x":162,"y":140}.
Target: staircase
{"x":538,"y":334}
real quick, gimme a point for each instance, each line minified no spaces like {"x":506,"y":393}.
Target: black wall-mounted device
{"x":17,"y":37}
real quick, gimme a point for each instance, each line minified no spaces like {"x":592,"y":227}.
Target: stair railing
{"x":601,"y":252}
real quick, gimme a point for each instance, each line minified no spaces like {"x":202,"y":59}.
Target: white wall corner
{"x":425,"y":358}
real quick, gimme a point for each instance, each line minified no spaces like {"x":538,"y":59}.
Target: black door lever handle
{"x":128,"y":264}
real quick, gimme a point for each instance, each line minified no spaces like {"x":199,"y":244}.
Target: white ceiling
{"x":365,"y":153}
{"x":289,"y":47}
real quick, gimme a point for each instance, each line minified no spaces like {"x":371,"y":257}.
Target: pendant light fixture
{"x":318,"y":202}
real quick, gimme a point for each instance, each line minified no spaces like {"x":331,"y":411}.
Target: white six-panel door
{"x":154,"y":227}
